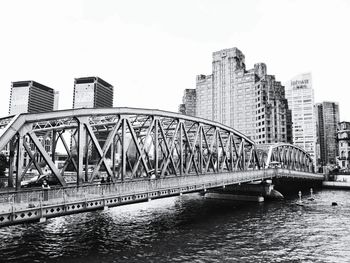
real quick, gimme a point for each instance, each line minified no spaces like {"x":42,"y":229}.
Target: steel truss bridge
{"x":143,"y":154}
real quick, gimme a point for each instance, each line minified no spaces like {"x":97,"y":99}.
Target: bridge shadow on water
{"x":159,"y":229}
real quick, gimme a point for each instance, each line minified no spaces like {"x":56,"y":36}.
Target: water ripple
{"x":190,"y":229}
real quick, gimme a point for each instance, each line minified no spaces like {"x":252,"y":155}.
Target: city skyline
{"x":148,"y":58}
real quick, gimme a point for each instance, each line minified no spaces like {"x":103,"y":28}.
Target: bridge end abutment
{"x":257,"y":192}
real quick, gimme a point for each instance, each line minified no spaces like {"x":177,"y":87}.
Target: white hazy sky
{"x":152,"y":50}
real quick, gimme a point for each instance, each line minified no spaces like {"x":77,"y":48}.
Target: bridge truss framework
{"x":127,"y":143}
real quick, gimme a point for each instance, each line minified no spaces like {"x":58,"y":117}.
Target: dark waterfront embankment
{"x":191,"y":228}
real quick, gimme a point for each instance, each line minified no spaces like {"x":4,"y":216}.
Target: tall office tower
{"x":327,"y":118}
{"x":250,"y":101}
{"x":92,"y":92}
{"x":300,"y":95}
{"x":343,"y":136}
{"x":30,"y":97}
{"x":204,"y":93}
{"x":273,"y":120}
{"x":188,"y":106}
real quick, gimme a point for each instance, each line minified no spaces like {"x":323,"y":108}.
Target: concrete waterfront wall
{"x":336,"y":185}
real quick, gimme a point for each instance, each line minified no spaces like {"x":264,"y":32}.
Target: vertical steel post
{"x":19,"y":164}
{"x":200,"y":149}
{"x":181,"y":148}
{"x":86,"y":155}
{"x":53,"y":145}
{"x":11,"y":163}
{"x":217,"y":150}
{"x":243,"y":155}
{"x":124,"y":149}
{"x":113,"y":151}
{"x":81,"y":142}
{"x":156,"y":147}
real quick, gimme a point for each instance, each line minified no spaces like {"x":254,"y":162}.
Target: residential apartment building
{"x":327,"y":119}
{"x":300,"y":96}
{"x":250,"y":101}
{"x":343,"y":137}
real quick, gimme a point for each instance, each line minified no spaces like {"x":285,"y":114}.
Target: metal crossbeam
{"x":126,"y":141}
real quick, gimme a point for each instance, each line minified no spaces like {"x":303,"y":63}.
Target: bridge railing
{"x":282,"y":172}
{"x":23,"y":200}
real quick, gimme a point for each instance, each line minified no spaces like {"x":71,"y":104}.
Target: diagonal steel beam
{"x":47,"y":158}
{"x":138,"y":148}
{"x":98,"y":148}
{"x":32,"y":157}
{"x":70,"y":157}
{"x":210,"y":159}
{"x":143,"y":147}
{"x":192,"y":151}
{"x":167,"y":149}
{"x":105,"y":148}
{"x":170,"y":149}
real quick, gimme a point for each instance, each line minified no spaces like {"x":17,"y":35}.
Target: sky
{"x":150,"y":51}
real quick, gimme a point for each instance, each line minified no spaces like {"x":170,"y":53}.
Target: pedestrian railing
{"x":16,"y":201}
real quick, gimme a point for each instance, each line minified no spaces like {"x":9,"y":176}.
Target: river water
{"x":191,"y":228}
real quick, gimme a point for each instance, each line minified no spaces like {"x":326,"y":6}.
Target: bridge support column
{"x":249,"y":192}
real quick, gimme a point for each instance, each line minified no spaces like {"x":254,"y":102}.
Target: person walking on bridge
{"x":45,"y":186}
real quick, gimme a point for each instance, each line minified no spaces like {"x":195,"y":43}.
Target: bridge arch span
{"x":288,"y":156}
{"x":122,"y":144}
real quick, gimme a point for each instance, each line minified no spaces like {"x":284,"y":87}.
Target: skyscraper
{"x":327,"y":119}
{"x":92,"y":92}
{"x":30,"y":97}
{"x":204,"y":96}
{"x":188,"y":106}
{"x":250,"y":101}
{"x":33,"y":97}
{"x":300,"y":95}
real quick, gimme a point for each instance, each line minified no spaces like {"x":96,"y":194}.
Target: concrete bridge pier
{"x":256,"y":192}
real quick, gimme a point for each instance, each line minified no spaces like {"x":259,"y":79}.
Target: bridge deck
{"x":18,"y":207}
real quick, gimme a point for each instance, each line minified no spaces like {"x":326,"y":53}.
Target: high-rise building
{"x":343,"y":136}
{"x":300,"y":96}
{"x":33,"y":97}
{"x":30,"y":97}
{"x":188,"y":106}
{"x":250,"y":101}
{"x":327,"y":119}
{"x":92,"y":92}
{"x":204,"y":95}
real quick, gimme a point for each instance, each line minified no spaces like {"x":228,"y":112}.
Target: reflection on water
{"x":190,"y":229}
